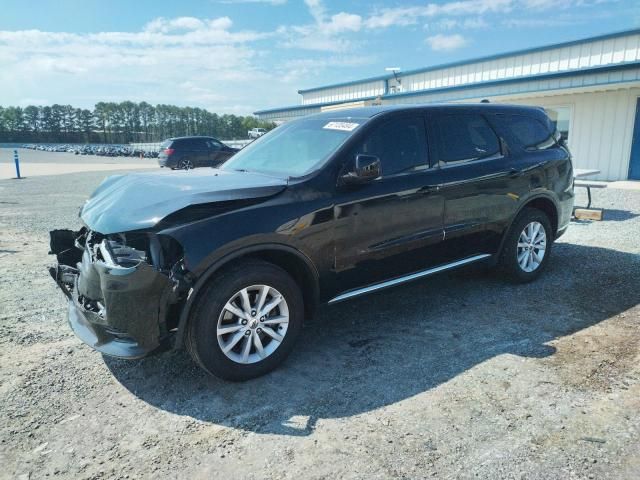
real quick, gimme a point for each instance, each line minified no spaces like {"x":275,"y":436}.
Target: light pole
{"x":398,"y":86}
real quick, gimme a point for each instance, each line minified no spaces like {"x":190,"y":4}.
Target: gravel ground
{"x":459,"y":376}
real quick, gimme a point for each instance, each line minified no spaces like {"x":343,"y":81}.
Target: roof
{"x":370,"y":112}
{"x":474,"y":60}
{"x":187,"y":137}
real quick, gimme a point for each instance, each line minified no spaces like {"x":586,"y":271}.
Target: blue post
{"x":17,"y":160}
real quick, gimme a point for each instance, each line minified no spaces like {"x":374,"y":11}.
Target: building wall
{"x":600,"y":130}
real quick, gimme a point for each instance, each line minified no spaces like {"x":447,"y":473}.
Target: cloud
{"x":326,"y":33}
{"x":446,"y":42}
{"x":212,"y":63}
{"x":300,"y":69}
{"x":388,"y":17}
{"x":537,"y":22}
{"x":151,"y":64}
{"x":466,"y":24}
{"x":181,"y":23}
{"x":316,"y":9}
{"x":343,"y":22}
{"x":402,"y":16}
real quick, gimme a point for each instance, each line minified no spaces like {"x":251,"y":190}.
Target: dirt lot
{"x":459,"y":376}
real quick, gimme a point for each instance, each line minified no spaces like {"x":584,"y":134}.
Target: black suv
{"x":228,"y":262}
{"x":185,"y":153}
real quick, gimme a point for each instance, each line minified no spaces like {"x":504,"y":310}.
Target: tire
{"x":185,"y":164}
{"x":210,"y":316}
{"x":519,"y":268}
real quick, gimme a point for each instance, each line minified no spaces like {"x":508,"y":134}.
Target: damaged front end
{"x":125,"y":290}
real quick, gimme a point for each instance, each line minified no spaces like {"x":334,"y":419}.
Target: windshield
{"x":294,"y":149}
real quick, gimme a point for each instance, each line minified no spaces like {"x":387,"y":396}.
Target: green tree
{"x":32,"y":118}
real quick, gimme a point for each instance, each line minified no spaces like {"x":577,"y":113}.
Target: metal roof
{"x":474,"y":60}
{"x":489,"y":83}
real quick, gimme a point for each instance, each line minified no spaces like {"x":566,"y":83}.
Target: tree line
{"x":123,"y":122}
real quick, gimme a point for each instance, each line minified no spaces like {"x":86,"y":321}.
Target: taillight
{"x":168,"y":151}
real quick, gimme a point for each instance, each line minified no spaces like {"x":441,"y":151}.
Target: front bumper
{"x":118,"y":311}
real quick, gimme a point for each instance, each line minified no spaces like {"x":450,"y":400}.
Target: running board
{"x":407,"y":278}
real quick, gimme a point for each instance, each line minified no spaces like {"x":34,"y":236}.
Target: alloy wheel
{"x":532,"y":245}
{"x":186,"y":165}
{"x":253,"y":324}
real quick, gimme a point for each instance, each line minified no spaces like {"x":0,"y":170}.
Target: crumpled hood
{"x":140,"y":200}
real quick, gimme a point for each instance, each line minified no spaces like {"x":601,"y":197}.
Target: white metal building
{"x":590,"y":87}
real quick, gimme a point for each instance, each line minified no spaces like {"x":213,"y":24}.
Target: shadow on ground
{"x":387,"y":347}
{"x":615,"y":215}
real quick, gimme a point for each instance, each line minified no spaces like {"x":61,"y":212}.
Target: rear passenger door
{"x":201,"y":152}
{"x":475,"y":173}
{"x":218,"y":153}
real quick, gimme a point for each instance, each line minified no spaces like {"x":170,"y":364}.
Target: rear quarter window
{"x":184,"y":143}
{"x":530,"y":133}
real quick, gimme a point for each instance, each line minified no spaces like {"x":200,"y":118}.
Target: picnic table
{"x":582,"y":173}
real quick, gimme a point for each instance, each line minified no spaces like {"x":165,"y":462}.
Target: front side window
{"x":296,"y":148}
{"x":463,"y":137}
{"x":400,"y":144}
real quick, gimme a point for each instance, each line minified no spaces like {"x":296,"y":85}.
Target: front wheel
{"x":528,"y":245}
{"x":245,"y":321}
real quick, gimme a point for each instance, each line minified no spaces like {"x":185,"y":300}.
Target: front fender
{"x":222,"y":261}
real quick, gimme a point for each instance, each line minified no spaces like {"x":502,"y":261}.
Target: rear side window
{"x":166,"y":144}
{"x":400,"y":144}
{"x":184,"y":143}
{"x":199,"y":144}
{"x":529,"y":132}
{"x":463,"y":137}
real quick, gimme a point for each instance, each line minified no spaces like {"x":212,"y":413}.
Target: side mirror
{"x":366,"y":169}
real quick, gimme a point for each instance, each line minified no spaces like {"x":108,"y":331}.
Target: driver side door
{"x":392,"y":225}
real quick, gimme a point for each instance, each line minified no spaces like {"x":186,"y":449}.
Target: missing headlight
{"x":113,"y":252}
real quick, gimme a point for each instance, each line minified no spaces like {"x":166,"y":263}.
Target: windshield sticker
{"x":344,"y":126}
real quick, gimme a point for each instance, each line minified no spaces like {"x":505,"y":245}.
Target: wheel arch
{"x":542,"y":202}
{"x":291,"y":260}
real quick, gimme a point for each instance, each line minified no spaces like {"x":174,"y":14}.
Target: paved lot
{"x":459,"y":376}
{"x":35,"y":163}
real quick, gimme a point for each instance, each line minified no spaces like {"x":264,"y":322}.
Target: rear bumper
{"x":115,"y":310}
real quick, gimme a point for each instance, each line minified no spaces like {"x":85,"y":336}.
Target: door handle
{"x":514,"y":172}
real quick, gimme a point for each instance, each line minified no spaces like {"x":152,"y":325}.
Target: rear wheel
{"x":246,"y":321}
{"x":527,"y":247}
{"x":185,"y":164}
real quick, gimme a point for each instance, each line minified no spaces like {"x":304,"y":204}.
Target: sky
{"x":239,"y":56}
